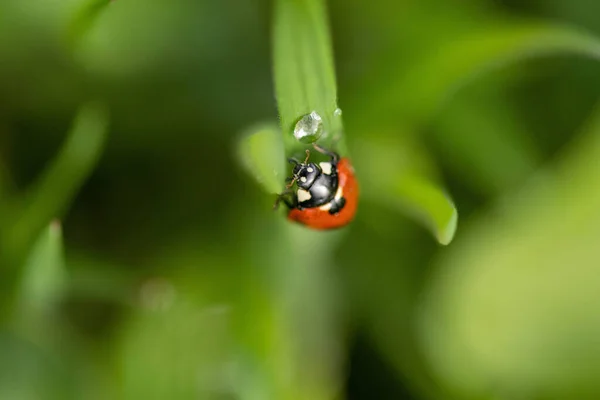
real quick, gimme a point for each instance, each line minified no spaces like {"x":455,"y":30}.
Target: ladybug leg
{"x":335,"y":158}
{"x":295,"y":161}
{"x":337,"y":205}
{"x":287,"y":197}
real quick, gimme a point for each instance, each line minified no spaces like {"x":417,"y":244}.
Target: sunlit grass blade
{"x":44,"y":275}
{"x":301,"y":329}
{"x":51,"y":194}
{"x":260,"y":150}
{"x":398,"y":174}
{"x":417,"y":92}
{"x":303,"y":66}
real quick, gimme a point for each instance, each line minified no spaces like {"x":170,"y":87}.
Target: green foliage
{"x":409,"y":184}
{"x":84,"y":18}
{"x":305,"y":82}
{"x":175,"y":279}
{"x":50,"y":195}
{"x":303,"y":67}
{"x":44,"y":276}
{"x":527,"y":340}
{"x":430,"y":82}
{"x":260,"y":150}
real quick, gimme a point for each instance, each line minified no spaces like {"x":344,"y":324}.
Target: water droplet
{"x":309,"y":128}
{"x":337,"y":112}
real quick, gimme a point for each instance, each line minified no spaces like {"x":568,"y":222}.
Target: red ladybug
{"x":326,"y":195}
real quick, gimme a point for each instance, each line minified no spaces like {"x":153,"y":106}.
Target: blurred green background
{"x":168,"y":275}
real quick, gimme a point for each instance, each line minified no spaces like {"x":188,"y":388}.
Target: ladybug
{"x":327,"y":193}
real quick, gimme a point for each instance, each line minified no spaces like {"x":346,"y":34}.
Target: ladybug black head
{"x":306,"y":174}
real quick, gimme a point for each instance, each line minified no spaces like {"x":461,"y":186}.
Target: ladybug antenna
{"x":307,"y":156}
{"x":292,"y":181}
{"x":334,"y":156}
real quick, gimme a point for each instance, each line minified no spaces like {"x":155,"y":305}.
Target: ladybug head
{"x":305,"y":174}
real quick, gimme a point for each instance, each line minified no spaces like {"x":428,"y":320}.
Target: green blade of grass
{"x":408,"y":184}
{"x":417,"y":92}
{"x":425,"y":201}
{"x":51,"y":194}
{"x":304,"y":69}
{"x":43,"y":284}
{"x":44,"y":275}
{"x":280,"y":329}
{"x":260,"y":151}
{"x":304,"y":82}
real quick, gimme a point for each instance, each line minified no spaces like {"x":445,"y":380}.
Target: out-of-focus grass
{"x":260,"y":151}
{"x":409,"y":183}
{"x":44,"y":275}
{"x":516,"y":301}
{"x":181,"y":282}
{"x":50,"y":195}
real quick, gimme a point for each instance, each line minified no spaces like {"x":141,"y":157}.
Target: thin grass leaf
{"x":44,"y":274}
{"x":408,"y":185}
{"x":49,"y":197}
{"x":434,"y":79}
{"x":304,"y":69}
{"x":305,"y":84}
{"x":425,"y":201}
{"x":43,"y":284}
{"x":261,"y":152}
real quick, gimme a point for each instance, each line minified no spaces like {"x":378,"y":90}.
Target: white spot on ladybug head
{"x":309,"y":169}
{"x":326,"y":167}
{"x":303,"y":179}
{"x":303,"y":195}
